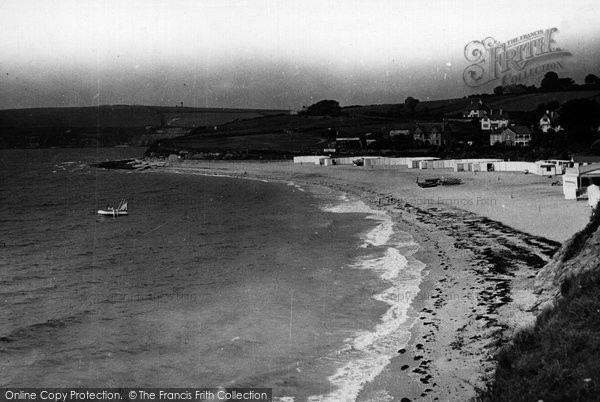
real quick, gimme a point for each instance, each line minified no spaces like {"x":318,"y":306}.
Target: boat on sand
{"x":444,"y":181}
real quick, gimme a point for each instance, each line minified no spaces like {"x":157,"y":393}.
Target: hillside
{"x":124,"y":116}
{"x":513,"y":102}
{"x":274,"y":135}
{"x":108,"y":124}
{"x":237,"y":130}
{"x":557,"y":359}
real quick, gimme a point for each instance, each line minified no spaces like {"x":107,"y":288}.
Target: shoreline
{"x":391,"y":260}
{"x":475,"y":291}
{"x":371,"y":342}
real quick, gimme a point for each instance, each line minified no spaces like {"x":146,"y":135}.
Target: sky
{"x":269,"y":53}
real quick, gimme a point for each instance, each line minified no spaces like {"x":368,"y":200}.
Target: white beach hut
{"x":593,"y":193}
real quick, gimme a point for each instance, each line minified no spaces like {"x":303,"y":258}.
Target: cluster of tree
{"x":325,"y":107}
{"x":551,"y":82}
{"x":592,"y":79}
{"x":514,"y":89}
{"x":408,"y":107}
{"x":580,"y":118}
{"x":411,"y":103}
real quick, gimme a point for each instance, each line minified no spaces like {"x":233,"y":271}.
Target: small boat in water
{"x":111,"y":211}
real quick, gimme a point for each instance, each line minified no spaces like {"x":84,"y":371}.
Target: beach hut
{"x":314,"y":159}
{"x":593,"y":193}
{"x":545,"y":169}
{"x":578,"y":178}
{"x":571,"y":183}
{"x":326,"y":162}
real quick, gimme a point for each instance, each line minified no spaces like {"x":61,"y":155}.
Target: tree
{"x":499,"y":90}
{"x":324,"y":108}
{"x":411,"y":103}
{"x":566,"y":83}
{"x":580,"y":117}
{"x":550,"y":82}
{"x":592,"y":79}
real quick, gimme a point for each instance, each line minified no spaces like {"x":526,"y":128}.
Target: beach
{"x":482,"y":243}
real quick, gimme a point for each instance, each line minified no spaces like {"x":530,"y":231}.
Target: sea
{"x":208,"y":282}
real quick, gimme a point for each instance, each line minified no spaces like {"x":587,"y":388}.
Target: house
{"x":496,"y":137}
{"x":431,"y":134}
{"x":172,"y":132}
{"x":511,"y":136}
{"x":494,"y":121}
{"x":577,"y":179}
{"x":347,"y":142}
{"x":475,"y":110}
{"x":561,"y":164}
{"x":370,"y":139}
{"x":549,"y":121}
{"x":582,"y":160}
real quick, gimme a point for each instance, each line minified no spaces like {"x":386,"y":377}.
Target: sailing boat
{"x":120,"y":210}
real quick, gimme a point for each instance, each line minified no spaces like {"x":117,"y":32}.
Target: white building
{"x":577,"y":179}
{"x":494,"y":121}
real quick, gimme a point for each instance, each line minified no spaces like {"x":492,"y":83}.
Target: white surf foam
{"x":210,"y":174}
{"x":367,"y":353}
{"x":378,"y":236}
{"x":297,"y":187}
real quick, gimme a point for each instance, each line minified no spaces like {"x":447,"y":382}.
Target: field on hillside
{"x":124,"y":116}
{"x":527,"y":102}
{"x":282,"y":142}
{"x":282,"y":133}
{"x":107,"y":125}
{"x":200,"y":119}
{"x":516,"y":102}
{"x":104,"y":116}
{"x":442,"y":106}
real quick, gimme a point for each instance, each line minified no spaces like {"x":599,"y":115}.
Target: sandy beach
{"x":482,"y":242}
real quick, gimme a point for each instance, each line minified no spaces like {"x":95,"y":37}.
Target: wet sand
{"x":482,"y":241}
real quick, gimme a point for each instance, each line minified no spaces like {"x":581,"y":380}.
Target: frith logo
{"x":514,"y":61}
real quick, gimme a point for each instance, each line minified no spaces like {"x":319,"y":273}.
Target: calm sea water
{"x":208,"y":282}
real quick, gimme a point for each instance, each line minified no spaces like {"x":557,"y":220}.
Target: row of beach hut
{"x":542,"y":168}
{"x":578,"y":177}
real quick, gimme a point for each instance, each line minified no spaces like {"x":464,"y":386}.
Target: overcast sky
{"x":266,"y":53}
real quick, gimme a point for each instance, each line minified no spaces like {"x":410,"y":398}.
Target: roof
{"x":519,"y":129}
{"x":590,"y":170}
{"x":550,"y":115}
{"x":586,"y":159}
{"x":497,"y":116}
